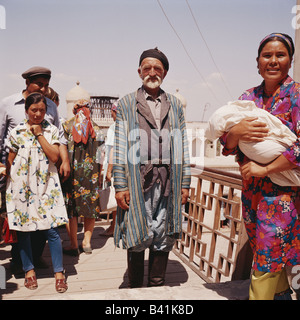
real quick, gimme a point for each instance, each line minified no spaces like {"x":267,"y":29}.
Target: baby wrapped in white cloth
{"x":280,"y":137}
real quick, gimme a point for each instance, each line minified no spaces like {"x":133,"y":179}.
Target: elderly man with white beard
{"x":151,"y":171}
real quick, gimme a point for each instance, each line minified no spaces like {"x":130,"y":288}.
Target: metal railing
{"x":214,"y":242}
{"x":101,"y":108}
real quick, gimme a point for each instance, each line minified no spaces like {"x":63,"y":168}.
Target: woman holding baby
{"x":270,"y":211}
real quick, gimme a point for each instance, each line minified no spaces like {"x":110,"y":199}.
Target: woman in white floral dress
{"x":34,"y":198}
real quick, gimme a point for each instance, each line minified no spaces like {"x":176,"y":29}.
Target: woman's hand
{"x":51,"y":150}
{"x":109,"y":172}
{"x":64,"y":163}
{"x":36,"y":129}
{"x":247,"y":130}
{"x":108,"y":176}
{"x":253,"y":169}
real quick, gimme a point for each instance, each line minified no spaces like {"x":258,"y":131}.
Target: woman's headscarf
{"x":114,"y":106}
{"x":284,"y":38}
{"x":82,"y":127}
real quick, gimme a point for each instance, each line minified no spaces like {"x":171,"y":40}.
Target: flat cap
{"x":36,"y":71}
{"x":157,"y":54}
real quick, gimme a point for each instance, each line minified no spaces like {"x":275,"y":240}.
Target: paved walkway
{"x":102,"y":275}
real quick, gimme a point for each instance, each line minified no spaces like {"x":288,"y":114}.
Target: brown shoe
{"x":61,"y":285}
{"x":31,"y":283}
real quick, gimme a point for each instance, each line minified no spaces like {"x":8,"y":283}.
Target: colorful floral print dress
{"x":34,"y":198}
{"x":81,"y":190}
{"x":271,"y":212}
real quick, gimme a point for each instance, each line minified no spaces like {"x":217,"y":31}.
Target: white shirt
{"x":155,"y":107}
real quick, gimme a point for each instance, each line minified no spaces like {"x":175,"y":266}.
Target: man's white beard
{"x":152,"y":84}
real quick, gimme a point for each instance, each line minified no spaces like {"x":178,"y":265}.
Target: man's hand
{"x":185,"y":195}
{"x":123,"y":199}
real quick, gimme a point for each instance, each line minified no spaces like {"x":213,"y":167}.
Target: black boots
{"x":158,"y":261}
{"x":135,"y":262}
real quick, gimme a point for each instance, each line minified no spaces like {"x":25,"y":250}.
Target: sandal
{"x":31,"y":283}
{"x":61,"y":285}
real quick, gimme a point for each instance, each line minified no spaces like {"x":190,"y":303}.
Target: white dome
{"x":181,"y":98}
{"x":77,"y":93}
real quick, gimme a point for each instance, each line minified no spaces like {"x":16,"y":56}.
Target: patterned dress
{"x":271,"y":212}
{"x":34,"y":198}
{"x":81,"y":190}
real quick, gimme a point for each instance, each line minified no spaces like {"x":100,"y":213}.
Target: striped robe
{"x":131,"y":225}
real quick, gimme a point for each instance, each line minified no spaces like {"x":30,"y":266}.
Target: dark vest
{"x":155,"y":144}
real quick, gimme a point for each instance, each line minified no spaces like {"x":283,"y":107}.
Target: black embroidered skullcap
{"x":36,"y":71}
{"x":157,"y":54}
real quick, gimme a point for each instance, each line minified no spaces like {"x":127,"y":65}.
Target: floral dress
{"x":271,"y":212}
{"x":34,"y":198}
{"x":81,"y":190}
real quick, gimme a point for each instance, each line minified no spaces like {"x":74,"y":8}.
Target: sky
{"x":211,"y":45}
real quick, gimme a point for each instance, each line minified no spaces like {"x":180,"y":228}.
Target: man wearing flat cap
{"x":151,"y":171}
{"x":12,"y":112}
